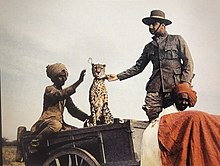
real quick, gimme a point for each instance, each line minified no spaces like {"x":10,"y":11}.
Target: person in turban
{"x":184,"y":96}
{"x":55,"y":100}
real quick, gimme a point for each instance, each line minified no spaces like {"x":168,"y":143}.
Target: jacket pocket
{"x":171,"y":52}
{"x":177,"y":75}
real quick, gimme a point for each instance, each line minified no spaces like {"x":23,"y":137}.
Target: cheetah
{"x":98,"y":97}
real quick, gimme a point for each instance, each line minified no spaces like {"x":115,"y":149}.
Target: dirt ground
{"x":9,"y":156}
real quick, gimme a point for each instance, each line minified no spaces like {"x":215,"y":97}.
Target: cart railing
{"x":109,"y":144}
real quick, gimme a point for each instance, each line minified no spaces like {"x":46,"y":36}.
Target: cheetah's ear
{"x":104,"y":65}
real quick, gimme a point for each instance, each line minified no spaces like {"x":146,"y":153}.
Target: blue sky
{"x":35,"y":33}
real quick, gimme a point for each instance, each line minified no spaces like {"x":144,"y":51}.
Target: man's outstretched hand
{"x":112,"y":77}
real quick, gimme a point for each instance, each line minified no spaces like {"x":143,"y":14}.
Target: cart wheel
{"x":71,"y":157}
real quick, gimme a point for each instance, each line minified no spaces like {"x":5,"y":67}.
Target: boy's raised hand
{"x":82,"y":75}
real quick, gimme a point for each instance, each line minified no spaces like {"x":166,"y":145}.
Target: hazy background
{"x":35,"y":33}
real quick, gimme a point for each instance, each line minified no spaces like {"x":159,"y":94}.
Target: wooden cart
{"x":117,"y":144}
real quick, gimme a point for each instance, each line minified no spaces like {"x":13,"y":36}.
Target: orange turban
{"x":54,"y":69}
{"x":186,"y":88}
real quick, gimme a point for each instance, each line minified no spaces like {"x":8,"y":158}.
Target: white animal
{"x":150,"y":152}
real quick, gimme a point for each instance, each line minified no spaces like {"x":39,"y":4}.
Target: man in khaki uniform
{"x":172,"y":64}
{"x":55,"y":100}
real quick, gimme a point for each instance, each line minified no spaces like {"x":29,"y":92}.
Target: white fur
{"x":150,"y":152}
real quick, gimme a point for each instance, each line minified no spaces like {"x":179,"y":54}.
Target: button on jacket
{"x":172,"y":63}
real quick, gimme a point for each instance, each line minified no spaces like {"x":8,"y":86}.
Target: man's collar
{"x":160,"y":38}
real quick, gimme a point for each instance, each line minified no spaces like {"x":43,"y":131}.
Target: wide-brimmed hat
{"x":156,"y":16}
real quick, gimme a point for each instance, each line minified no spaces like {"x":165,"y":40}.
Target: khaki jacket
{"x":172,"y":63}
{"x":55,"y":100}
